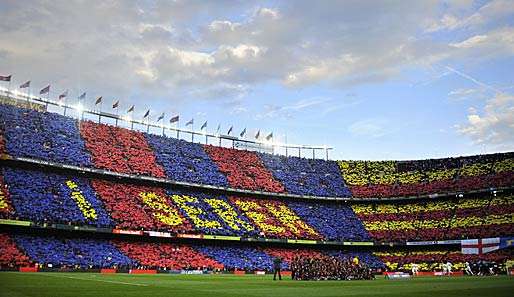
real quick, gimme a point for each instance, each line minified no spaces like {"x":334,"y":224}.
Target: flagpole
{"x":64,"y":102}
{"x":9,"y":87}
{"x":286,"y":143}
{"x":47,"y":99}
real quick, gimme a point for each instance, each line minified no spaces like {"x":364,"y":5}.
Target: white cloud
{"x":130,"y":49}
{"x":495,"y":125}
{"x":322,"y":69}
{"x":369,"y":128}
{"x":268,"y":13}
{"x":470,"y":42}
{"x":241,"y":51}
{"x":290,"y":110}
{"x":491,"y":11}
{"x":216,"y":26}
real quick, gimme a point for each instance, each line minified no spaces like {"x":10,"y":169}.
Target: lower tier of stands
{"x":44,"y":251}
{"x":79,"y":252}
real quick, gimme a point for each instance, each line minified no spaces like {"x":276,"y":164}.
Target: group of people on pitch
{"x":325,"y":268}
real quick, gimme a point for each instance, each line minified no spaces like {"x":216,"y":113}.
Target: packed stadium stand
{"x":59,"y":176}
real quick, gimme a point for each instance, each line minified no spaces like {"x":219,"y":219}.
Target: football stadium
{"x":103,"y":196}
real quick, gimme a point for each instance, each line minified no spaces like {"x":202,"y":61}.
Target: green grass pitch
{"x":89,"y":284}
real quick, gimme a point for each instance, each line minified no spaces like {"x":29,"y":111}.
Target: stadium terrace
{"x":84,"y":195}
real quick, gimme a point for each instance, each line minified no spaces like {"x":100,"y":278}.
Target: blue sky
{"x":373,"y":79}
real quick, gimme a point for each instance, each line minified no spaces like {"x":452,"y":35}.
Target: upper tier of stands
{"x":52,"y":137}
{"x":424,"y":177}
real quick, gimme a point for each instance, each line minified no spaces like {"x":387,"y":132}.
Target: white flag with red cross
{"x":479,"y":246}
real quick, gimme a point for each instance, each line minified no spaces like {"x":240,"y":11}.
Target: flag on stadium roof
{"x":116,"y":104}
{"x":5,"y":78}
{"x":131,"y":109}
{"x":270,"y":136}
{"x":174,"y":119}
{"x":45,"y":90}
{"x":83,"y":96}
{"x":147,"y":113}
{"x":230,"y":130}
{"x":258,"y":134}
{"x":160,"y":117}
{"x":63,"y":95}
{"x":242,"y":133}
{"x":25,"y":85}
{"x":204,"y":125}
{"x":98,"y":100}
{"x":190,"y":122}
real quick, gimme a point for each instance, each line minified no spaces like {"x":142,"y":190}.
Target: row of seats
{"x":50,"y":197}
{"x":442,"y":219}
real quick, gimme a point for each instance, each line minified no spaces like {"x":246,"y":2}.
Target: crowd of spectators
{"x":185,"y":161}
{"x":72,"y":252}
{"x":57,"y":198}
{"x":305,"y":263}
{"x":6,"y":210}
{"x":49,"y":197}
{"x":335,"y":221}
{"x":442,"y":219}
{"x":10,"y":254}
{"x":166,"y":256}
{"x":430,"y":259}
{"x":2,"y":140}
{"x":422,"y":177}
{"x":304,"y":176}
{"x":120,"y":150}
{"x":139,"y":207}
{"x":212,"y":214}
{"x":244,"y":169}
{"x":238,"y":257}
{"x":53,"y":137}
{"x":44,"y":136}
{"x":274,"y":218}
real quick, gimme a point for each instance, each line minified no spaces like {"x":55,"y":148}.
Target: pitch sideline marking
{"x":97,"y":280}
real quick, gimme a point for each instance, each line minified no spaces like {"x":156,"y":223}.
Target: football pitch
{"x":124,"y":285}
